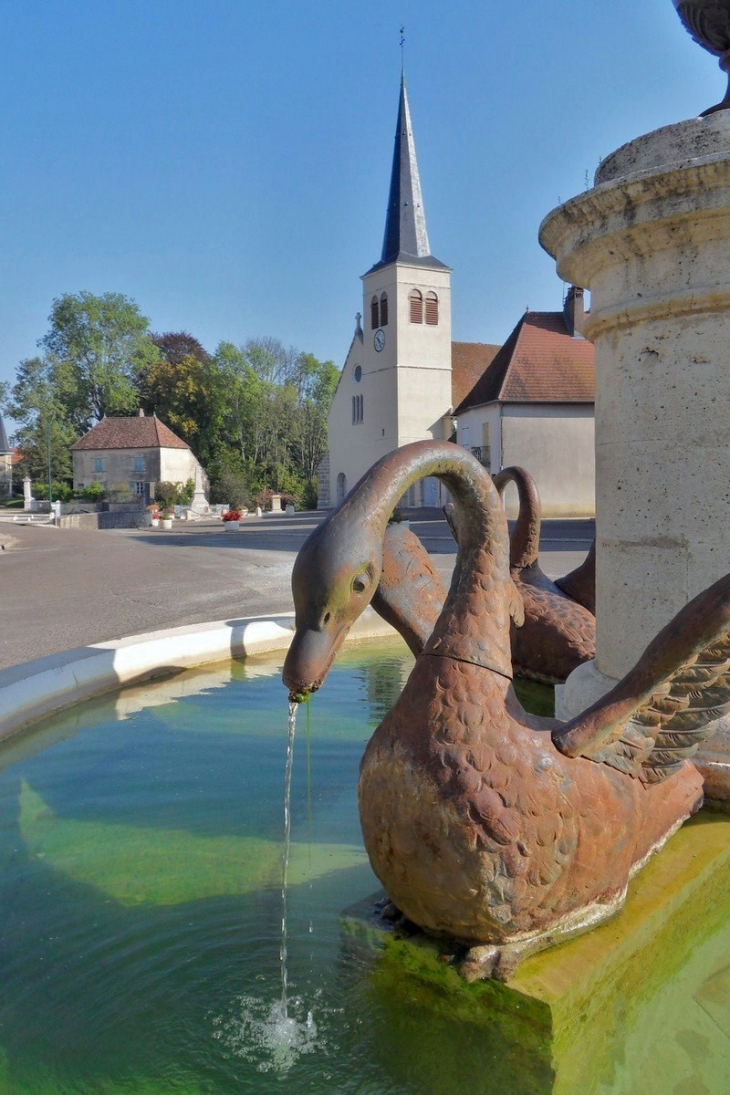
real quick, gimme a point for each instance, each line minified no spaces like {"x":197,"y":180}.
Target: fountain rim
{"x":33,"y":690}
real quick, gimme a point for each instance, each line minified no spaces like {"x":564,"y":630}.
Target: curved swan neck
{"x":525,"y":539}
{"x":474,"y":624}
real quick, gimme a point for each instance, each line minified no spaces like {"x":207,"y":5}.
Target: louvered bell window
{"x":415,"y":299}
{"x":383,"y":309}
{"x":374,"y":320}
{"x":432,"y":309}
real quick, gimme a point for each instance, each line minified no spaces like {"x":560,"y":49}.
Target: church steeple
{"x":406,"y":236}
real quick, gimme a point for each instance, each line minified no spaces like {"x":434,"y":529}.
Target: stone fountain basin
{"x":34,"y":689}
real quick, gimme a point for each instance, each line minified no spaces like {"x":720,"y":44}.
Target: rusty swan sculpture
{"x":559,"y":631}
{"x":503,"y":832}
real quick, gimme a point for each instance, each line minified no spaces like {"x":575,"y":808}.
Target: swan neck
{"x":525,"y":539}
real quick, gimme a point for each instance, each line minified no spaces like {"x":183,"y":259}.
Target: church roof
{"x":468,"y":361}
{"x":539,"y":363}
{"x":406,"y":236}
{"x":139,"y":432}
{"x":4,"y":447}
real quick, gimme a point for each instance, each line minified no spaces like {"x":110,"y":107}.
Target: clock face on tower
{"x":379,"y":340}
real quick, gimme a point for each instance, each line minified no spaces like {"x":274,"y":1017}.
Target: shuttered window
{"x":374,"y":321}
{"x":383,"y":309}
{"x":432,"y":309}
{"x":357,"y":410}
{"x":416,"y":302}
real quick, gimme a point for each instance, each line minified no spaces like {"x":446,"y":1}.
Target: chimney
{"x":574,"y":312}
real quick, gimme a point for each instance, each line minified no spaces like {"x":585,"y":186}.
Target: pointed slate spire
{"x":406,"y":236}
{"x":405,"y":223}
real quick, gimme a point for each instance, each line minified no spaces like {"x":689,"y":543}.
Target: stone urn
{"x":708,"y":21}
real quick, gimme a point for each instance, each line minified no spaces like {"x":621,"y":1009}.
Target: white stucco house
{"x":404,"y":379}
{"x":137,"y":452}
{"x":533,"y":406}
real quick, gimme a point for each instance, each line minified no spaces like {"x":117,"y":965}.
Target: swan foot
{"x":501,"y":960}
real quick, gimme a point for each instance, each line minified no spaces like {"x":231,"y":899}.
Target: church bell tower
{"x":396,"y":384}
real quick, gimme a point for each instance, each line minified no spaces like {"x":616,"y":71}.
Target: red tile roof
{"x":139,"y":432}
{"x":468,"y":361}
{"x":539,"y":363}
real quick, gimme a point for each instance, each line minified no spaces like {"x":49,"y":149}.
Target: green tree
{"x":317,"y":383}
{"x":271,"y":361}
{"x":245,"y":398}
{"x":44,"y":434}
{"x":96,"y":347}
{"x":185,"y":387}
{"x":189,"y":396}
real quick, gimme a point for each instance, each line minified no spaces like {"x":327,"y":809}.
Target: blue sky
{"x":226,"y":164}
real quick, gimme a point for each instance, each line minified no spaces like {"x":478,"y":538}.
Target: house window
{"x":432,"y":309}
{"x":415,"y":298}
{"x":357,"y":410}
{"x":383,"y":309}
{"x":137,"y":487}
{"x":374,"y":314}
{"x":99,"y":463}
{"x":139,"y":463}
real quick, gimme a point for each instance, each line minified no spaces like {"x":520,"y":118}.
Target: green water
{"x":140,"y":908}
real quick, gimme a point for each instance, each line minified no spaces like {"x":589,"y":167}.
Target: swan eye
{"x":359,"y":583}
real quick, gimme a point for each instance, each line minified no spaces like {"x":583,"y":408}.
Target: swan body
{"x":483,"y":824}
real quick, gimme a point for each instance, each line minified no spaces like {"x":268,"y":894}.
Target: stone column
{"x":27,"y":492}
{"x":651,"y":240}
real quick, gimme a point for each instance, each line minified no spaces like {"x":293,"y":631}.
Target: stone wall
{"x":127,"y":518}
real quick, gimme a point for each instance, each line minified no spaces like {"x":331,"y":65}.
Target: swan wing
{"x":656,"y":717}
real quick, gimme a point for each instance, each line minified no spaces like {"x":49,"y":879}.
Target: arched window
{"x":341,"y":487}
{"x":357,"y":410}
{"x":383,"y":309}
{"x":374,"y":320}
{"x":415,"y":298}
{"x":432,"y":309}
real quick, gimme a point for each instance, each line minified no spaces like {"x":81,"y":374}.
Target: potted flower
{"x":154,"y":515}
{"x":167,"y":516}
{"x":232,"y":519}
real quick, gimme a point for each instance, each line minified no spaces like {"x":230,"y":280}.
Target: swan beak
{"x":309,"y":659}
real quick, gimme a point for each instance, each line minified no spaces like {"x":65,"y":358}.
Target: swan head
{"x":335,"y":577}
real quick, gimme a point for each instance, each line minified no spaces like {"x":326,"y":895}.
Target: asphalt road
{"x":67,"y":588}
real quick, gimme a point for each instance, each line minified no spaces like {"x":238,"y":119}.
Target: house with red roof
{"x":136,"y":453}
{"x":533,"y":406}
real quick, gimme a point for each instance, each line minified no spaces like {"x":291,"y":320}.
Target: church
{"x":405,"y":380}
